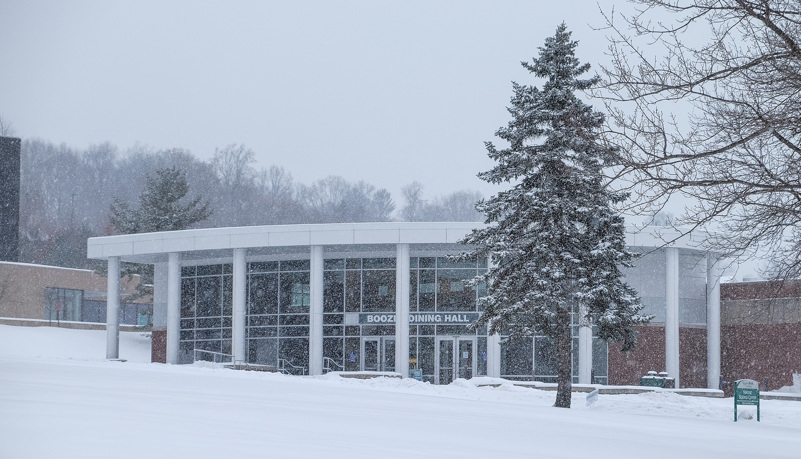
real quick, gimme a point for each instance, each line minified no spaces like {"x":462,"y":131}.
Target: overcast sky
{"x":388,"y":92}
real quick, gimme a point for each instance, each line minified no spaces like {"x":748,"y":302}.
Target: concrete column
{"x":672,"y":313}
{"x":712,"y":322}
{"x":402,"y":279}
{"x":173,"y":306}
{"x":494,"y":356}
{"x":584,"y":348}
{"x":238,"y":307}
{"x":113,"y":309}
{"x":316,"y":311}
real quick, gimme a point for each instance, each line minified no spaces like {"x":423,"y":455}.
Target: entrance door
{"x":378,"y":353}
{"x":455,"y":358}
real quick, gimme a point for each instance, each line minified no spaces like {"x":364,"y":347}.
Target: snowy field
{"x":60,"y":399}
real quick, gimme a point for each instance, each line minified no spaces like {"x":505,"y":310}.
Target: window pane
{"x":333,"y":291}
{"x":378,"y":290}
{"x":545,"y":355}
{"x":353,"y":291}
{"x":517,"y":358}
{"x":378,"y":263}
{"x":295,"y":265}
{"x":295,"y":292}
{"x":453,"y":293}
{"x":188,"y":297}
{"x":263,"y":294}
{"x":209,"y":296}
{"x":427,"y":290}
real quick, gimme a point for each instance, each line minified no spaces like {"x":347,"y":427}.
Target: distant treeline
{"x":66,"y":194}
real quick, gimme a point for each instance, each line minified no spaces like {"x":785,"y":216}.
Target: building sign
{"x":421,"y":318}
{"x":746,"y":392}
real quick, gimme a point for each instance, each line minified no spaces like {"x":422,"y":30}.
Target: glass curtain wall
{"x":206,"y":302}
{"x":277,"y":325}
{"x":533,"y":359}
{"x":356,"y":287}
{"x":439,"y":284}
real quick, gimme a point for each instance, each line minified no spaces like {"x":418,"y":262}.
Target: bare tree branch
{"x":704,"y":98}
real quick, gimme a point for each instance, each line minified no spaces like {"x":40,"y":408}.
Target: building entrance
{"x":455,"y":357}
{"x":378,"y":353}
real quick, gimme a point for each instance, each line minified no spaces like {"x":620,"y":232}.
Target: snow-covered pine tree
{"x":162,"y":206}
{"x":555,"y":242}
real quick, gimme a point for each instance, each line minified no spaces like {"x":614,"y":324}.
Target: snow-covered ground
{"x":60,"y":399}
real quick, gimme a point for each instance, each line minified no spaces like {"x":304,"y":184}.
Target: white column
{"x":113,"y":309}
{"x":493,"y":342}
{"x":238,"y":307}
{"x":402,"y":279}
{"x":173,"y":306}
{"x":712,"y":322}
{"x":584,"y":347}
{"x":316,"y":311}
{"x":160,"y":296}
{"x":672,"y":313}
{"x":494,"y":356}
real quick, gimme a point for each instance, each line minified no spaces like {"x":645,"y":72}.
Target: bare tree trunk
{"x":564,"y":375}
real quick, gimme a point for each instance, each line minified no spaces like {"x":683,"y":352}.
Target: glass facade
{"x":353,"y":287}
{"x":359,"y":296}
{"x":206,"y":299}
{"x":692,"y":289}
{"x":63,"y":304}
{"x":532,"y":359}
{"x":442,"y":303}
{"x":277,"y":315}
{"x":359,"y":307}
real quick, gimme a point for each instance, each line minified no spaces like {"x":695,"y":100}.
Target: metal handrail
{"x":288,"y":369}
{"x":214,"y":355}
{"x":328,"y":362}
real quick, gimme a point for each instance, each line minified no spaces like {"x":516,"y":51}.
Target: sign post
{"x":746,"y":392}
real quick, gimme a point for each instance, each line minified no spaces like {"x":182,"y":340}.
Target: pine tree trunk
{"x":564,"y":376}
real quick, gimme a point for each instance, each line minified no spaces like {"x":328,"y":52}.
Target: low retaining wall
{"x":66,"y":324}
{"x":614,"y":390}
{"x":365,"y":374}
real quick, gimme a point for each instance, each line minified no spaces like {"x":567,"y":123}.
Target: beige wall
{"x":23,"y":286}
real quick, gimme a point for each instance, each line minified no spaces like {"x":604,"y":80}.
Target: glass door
{"x":378,"y":354}
{"x":443,"y":360}
{"x":455,"y":358}
{"x":465,"y":357}
{"x":371,"y":351}
{"x":388,"y":353}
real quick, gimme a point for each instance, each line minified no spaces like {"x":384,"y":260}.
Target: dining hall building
{"x":385,"y":297}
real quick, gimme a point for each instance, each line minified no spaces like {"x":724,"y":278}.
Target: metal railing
{"x":330,"y":364}
{"x":288,"y":369}
{"x":216,"y":357}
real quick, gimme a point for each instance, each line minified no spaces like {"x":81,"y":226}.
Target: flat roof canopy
{"x":217,"y":242}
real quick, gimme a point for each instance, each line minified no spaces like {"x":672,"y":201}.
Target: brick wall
{"x":158,"y":346}
{"x":760,"y":352}
{"x":626,"y":368}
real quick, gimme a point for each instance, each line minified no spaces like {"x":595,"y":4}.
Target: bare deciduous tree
{"x":704,"y":99}
{"x":6,"y":129}
{"x":459,"y":206}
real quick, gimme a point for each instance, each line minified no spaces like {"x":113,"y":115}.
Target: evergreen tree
{"x":162,"y":206}
{"x":555,"y":242}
